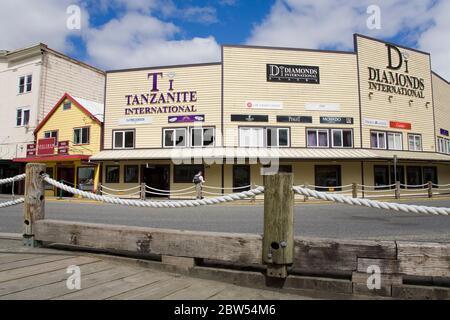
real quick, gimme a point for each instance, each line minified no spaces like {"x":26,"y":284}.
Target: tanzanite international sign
{"x":186,"y":119}
{"x":293,"y":73}
{"x":336,"y":120}
{"x":444,"y":132}
{"x":294,"y":119}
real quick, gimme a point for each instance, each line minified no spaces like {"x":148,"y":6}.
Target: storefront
{"x":332,"y":118}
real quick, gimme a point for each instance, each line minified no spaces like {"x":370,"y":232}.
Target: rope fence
{"x":12,"y":180}
{"x":11,"y":203}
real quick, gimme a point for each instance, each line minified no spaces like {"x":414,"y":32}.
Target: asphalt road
{"x":314,"y":220}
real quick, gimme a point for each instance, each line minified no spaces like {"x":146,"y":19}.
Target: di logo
{"x":397,"y":59}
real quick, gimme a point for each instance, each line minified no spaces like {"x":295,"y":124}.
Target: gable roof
{"x":92,"y":109}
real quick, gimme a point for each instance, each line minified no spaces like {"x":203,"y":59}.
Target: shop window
{"x":202,"y":137}
{"x":395,"y":141}
{"x":251,"y":137}
{"x":185,"y":173}
{"x":400,"y":175}
{"x":131,"y":174}
{"x":112,"y":174}
{"x":22,"y":117}
{"x":81,"y":135}
{"x":317,"y":138}
{"x":52,"y":134}
{"x":414,"y":176}
{"x":327,"y":178}
{"x":85,"y":178}
{"x":285,"y":168}
{"x":241,"y":178}
{"x":124,"y":139}
{"x":415,"y":142}
{"x":342,"y":138}
{"x":430,"y":174}
{"x":278,"y":137}
{"x":175,"y":138}
{"x":381,"y":176}
{"x":49,"y":171}
{"x":25,"y":84}
{"x":378,"y":140}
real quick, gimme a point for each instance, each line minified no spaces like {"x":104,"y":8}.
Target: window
{"x":381,"y":176}
{"x":395,"y":141}
{"x":131,"y":174}
{"x":81,"y":136}
{"x":241,"y":178}
{"x":430,"y":174}
{"x":52,"y":134}
{"x":414,"y":176}
{"x":85,"y":178}
{"x":318,"y":138}
{"x":251,"y":137}
{"x":202,"y":137}
{"x":22,"y":117}
{"x":67,"y":106}
{"x":124,"y":139}
{"x":285,"y":168}
{"x":378,"y":140}
{"x":443,"y":145}
{"x":175,"y":138}
{"x":185,"y":173}
{"x":342,"y":138}
{"x":112,"y":174}
{"x":328,"y":178}
{"x":415,"y":142}
{"x":400,"y":175}
{"x":277,"y":137}
{"x":25,"y":84}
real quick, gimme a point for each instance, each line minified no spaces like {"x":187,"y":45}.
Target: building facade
{"x":31,"y":80}
{"x":374,"y":116}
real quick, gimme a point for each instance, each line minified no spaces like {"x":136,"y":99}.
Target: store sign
{"x":154,"y":101}
{"x":336,"y":120}
{"x":323,"y":107}
{"x":294,"y":119}
{"x":400,"y":125}
{"x":134,"y":121}
{"x":264,"y":105}
{"x":249,"y":118}
{"x":63,"y":147}
{"x":46,"y":146}
{"x":376,"y":123}
{"x":396,"y":79}
{"x":186,"y":119}
{"x":444,"y":132}
{"x":31,"y":150}
{"x":292,"y":73}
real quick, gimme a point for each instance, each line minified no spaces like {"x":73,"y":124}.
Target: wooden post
{"x":397,"y":190}
{"x":34,"y":206}
{"x":430,"y":189}
{"x":354,"y":190}
{"x":278,"y":239}
{"x":253,"y":199}
{"x":143,"y":191}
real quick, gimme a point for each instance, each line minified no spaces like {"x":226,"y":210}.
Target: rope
{"x":117,"y":190}
{"x":218,"y":188}
{"x":11,"y":203}
{"x":156,"y":204}
{"x":171,"y":194}
{"x":441,"y":185}
{"x":179,"y":190}
{"x":413,"y":185}
{"x":121,"y":195}
{"x":11,"y":180}
{"x":373,"y":187}
{"x":371,"y":203}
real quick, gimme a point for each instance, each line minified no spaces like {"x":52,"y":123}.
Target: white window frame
{"x":81,"y":136}
{"x":342,"y":138}
{"x":317,"y":138}
{"x":414,"y":136}
{"x":123,"y":139}
{"x":203,"y":136}
{"x":379,"y":135}
{"x":278,"y":129}
{"x":175,"y":137}
{"x":48,"y":134}
{"x":25,"y":84}
{"x":395,"y":135}
{"x":22,"y":118}
{"x":443,"y":145}
{"x":260,"y":134}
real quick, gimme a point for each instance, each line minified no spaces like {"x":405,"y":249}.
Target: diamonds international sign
{"x":293,"y":73}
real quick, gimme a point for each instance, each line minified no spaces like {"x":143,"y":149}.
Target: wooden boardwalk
{"x":41,"y":274}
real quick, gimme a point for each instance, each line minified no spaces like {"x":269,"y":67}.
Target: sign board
{"x":264,"y":105}
{"x":46,"y":146}
{"x":134,"y":121}
{"x":294,"y":119}
{"x":336,"y":120}
{"x":249,"y":118}
{"x":444,"y":132}
{"x":400,"y":125}
{"x":63,"y":147}
{"x":185,"y":119}
{"x":31,"y":150}
{"x":292,"y":73}
{"x":323,"y":107}
{"x":376,"y":123}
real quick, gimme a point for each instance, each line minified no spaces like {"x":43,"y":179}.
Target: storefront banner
{"x":444,"y":132}
{"x":323,"y":107}
{"x":46,"y":146}
{"x":400,"y":125}
{"x":292,"y":73}
{"x":376,"y":123}
{"x":336,"y":120}
{"x":249,"y":118}
{"x":63,"y":147}
{"x":264,"y":105}
{"x":135,"y":121}
{"x":31,"y":150}
{"x":185,"y":119}
{"x":294,"y":119}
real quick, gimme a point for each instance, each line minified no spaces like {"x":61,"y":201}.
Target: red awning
{"x":60,"y":158}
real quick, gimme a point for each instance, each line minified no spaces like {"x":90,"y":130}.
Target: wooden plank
{"x":199,"y":290}
{"x":38,"y":280}
{"x":181,"y":262}
{"x":239,"y":248}
{"x":387,"y":266}
{"x":386,"y":279}
{"x":424,"y":259}
{"x":362,"y":289}
{"x":420,"y":293}
{"x":8,"y":258}
{"x":31,"y":262}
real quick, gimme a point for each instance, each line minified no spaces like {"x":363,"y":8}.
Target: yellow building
{"x":65,"y":140}
{"x":374,"y":116}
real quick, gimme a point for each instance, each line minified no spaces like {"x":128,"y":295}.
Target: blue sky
{"x":134,"y":33}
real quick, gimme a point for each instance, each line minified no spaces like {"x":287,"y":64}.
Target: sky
{"x":117,"y":34}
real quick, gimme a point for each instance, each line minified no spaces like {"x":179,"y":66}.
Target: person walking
{"x":198,"y":182}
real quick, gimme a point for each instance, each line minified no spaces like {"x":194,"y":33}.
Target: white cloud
{"x":206,"y":15}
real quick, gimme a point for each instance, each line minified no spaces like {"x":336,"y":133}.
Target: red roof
{"x":53,"y":158}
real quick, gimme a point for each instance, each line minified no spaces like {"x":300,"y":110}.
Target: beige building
{"x":332,"y":118}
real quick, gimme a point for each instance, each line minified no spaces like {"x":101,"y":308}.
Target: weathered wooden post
{"x":430,"y":189}
{"x":253,"y":199}
{"x":278,"y":239}
{"x":397,"y":190}
{"x":354,"y":190}
{"x":143,"y":191}
{"x":34,"y":206}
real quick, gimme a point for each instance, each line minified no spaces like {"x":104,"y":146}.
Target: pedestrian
{"x":198,"y":182}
